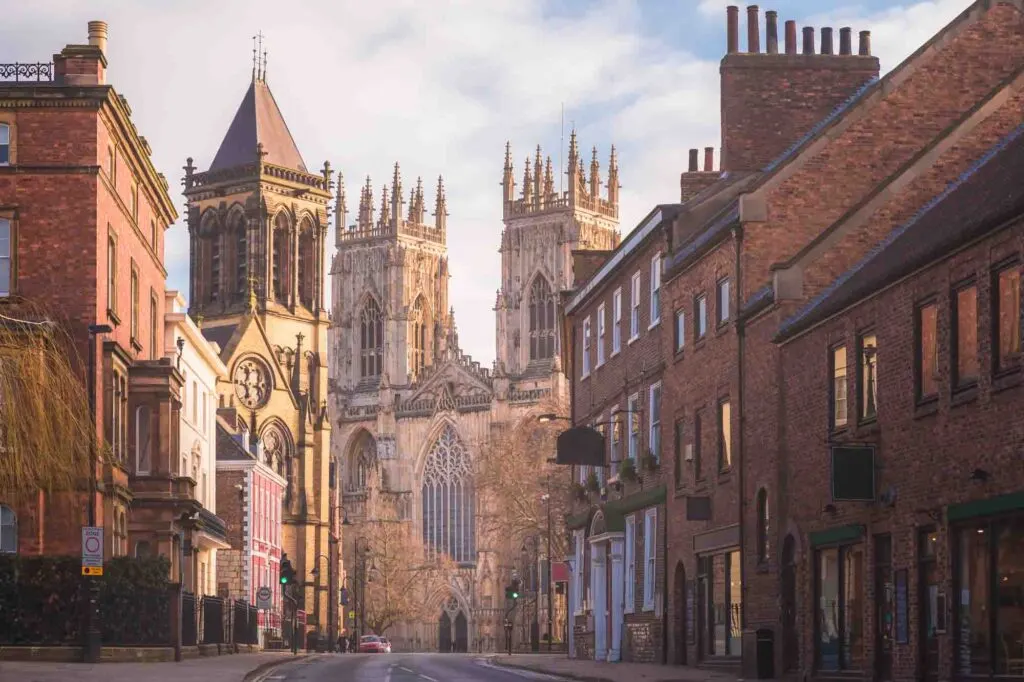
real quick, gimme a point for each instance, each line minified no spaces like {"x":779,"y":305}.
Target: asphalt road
{"x":399,"y":667}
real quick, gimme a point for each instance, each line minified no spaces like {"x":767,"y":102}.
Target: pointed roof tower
{"x":258,"y":121}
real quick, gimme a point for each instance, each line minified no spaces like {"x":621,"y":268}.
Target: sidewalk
{"x":232,"y":668}
{"x":595,"y":671}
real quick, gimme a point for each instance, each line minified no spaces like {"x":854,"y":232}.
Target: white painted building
{"x":199,"y":362}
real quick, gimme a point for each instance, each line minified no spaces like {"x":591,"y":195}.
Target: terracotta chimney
{"x":826,"y":41}
{"x":845,"y":41}
{"x":753,"y":30}
{"x":98,"y":35}
{"x":790,"y":37}
{"x":709,"y":159}
{"x":83,"y":64}
{"x":808,"y":40}
{"x":865,"y":44}
{"x":732,"y":15}
{"x":771,"y":25}
{"x":693,"y":161}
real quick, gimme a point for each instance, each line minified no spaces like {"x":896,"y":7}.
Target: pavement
{"x":563,"y":667}
{"x":234,"y":668}
{"x":399,"y":667}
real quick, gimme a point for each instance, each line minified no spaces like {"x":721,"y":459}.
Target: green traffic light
{"x":284,"y":580}
{"x":515,"y":595}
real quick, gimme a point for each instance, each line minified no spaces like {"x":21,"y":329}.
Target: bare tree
{"x":45,"y":428}
{"x":402,"y":577}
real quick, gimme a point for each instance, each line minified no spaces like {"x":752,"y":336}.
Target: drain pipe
{"x":737,"y":236}
{"x":664,"y":586}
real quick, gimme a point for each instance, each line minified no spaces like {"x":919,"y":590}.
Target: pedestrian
{"x":342,"y":643}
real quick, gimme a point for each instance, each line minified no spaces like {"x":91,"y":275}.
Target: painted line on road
{"x":387,"y":675}
{"x":402,"y":667}
{"x":428,"y":679}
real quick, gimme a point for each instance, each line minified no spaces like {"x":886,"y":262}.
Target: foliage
{"x":579,"y":492}
{"x":402,"y":578}
{"x":513,"y":476}
{"x":593,"y":485}
{"x":627,"y":469}
{"x":45,"y":429}
{"x":649,"y":461}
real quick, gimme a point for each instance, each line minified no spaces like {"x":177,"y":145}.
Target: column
{"x":618,"y":589}
{"x":598,"y":588}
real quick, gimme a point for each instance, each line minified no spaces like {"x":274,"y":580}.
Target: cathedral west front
{"x":410,"y":411}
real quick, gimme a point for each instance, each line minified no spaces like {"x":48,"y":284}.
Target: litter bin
{"x":765,"y":654}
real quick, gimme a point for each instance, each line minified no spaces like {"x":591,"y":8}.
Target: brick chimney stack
{"x":695,"y":179}
{"x":84,"y":64}
{"x":709,"y":159}
{"x":770,"y":100}
{"x":692,"y":168}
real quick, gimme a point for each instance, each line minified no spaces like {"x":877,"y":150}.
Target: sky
{"x":439,"y":86}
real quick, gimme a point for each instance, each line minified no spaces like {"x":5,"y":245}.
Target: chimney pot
{"x":98,"y":35}
{"x":865,"y":44}
{"x":808,"y":40}
{"x":771,"y":21}
{"x":790,"y":37}
{"x":826,"y":40}
{"x":693,"y":161}
{"x":753,"y":30}
{"x":845,"y":41}
{"x":709,"y":159}
{"x":732,"y":14}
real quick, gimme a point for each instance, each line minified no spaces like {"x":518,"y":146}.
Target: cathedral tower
{"x":257,"y":222}
{"x":543,"y":226}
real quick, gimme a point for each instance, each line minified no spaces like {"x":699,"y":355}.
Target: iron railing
{"x":40,"y":72}
{"x":189,"y":620}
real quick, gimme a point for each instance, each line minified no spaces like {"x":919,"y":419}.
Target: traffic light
{"x":286,"y":571}
{"x":512,"y":591}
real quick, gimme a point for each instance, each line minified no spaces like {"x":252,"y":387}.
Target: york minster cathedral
{"x":409,"y":410}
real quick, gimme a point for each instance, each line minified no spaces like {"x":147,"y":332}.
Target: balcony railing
{"x":38,"y":72}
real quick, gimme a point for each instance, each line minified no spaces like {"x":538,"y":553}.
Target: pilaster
{"x":618,"y":586}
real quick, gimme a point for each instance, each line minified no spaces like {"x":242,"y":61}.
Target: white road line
{"x":387,"y":675}
{"x":402,"y":667}
{"x":428,"y":679}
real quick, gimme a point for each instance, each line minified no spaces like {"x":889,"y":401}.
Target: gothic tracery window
{"x":371,"y":338}
{"x":361,"y":461}
{"x":282,"y":258}
{"x":542,"y":320}
{"x":418,"y":322}
{"x":307,"y":264}
{"x":448,"y":514}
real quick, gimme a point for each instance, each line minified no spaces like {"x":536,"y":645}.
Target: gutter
{"x":737,"y":234}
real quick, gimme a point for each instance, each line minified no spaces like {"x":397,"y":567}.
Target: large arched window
{"x":210,"y":256}
{"x":762,"y":525}
{"x":448,"y":499}
{"x":307,"y":264}
{"x":542,"y":320}
{"x":371,"y":345}
{"x":240,"y":257}
{"x":143,"y":440}
{"x":419,"y":321}
{"x":8,"y":531}
{"x":360,"y":463}
{"x":282,"y":258}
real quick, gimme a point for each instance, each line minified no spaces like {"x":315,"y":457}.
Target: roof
{"x":984,"y":197}
{"x":220,"y":335}
{"x":258,"y":121}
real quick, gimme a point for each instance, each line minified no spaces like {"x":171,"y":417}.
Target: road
{"x":399,"y":667}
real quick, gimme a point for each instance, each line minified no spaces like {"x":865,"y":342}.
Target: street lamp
{"x":550,"y":417}
{"x":316,"y":590}
{"x":91,"y":650}
{"x":546,"y":497}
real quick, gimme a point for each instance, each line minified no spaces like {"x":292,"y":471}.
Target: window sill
{"x":679,"y":354}
{"x":654,"y":324}
{"x":136,"y":346}
{"x":926,"y":408}
{"x":964,"y":395}
{"x":724,"y":476}
{"x":1005,"y":379}
{"x":632,"y":340}
{"x":839,"y":430}
{"x":112,"y":316}
{"x":700,"y":343}
{"x":870,"y":423}
{"x":614,"y":353}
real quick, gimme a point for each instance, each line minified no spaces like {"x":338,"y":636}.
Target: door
{"x":444,"y":633}
{"x":885,"y":611}
{"x":679,"y":617}
{"x":608,"y":598}
{"x":705,"y":622}
{"x":461,"y":633}
{"x":790,"y":646}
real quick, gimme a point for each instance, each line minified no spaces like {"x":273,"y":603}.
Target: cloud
{"x":436,"y":86}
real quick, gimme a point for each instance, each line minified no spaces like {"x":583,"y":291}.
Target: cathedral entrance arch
{"x":461,"y":633}
{"x":453,"y":627}
{"x":444,"y":635}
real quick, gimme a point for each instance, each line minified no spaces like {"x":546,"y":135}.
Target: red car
{"x":371,"y":644}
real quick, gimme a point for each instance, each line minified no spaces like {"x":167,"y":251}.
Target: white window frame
{"x":650,"y":556}
{"x":700,"y":329}
{"x":586,"y":347}
{"x":634,"y":308}
{"x":617,"y":321}
{"x":6,"y":128}
{"x":600,"y":335}
{"x":603,"y":428}
{"x":615,"y":455}
{"x":632,"y":408}
{"x":577,"y":585}
{"x":723,"y":303}
{"x":630,"y":577}
{"x":680,"y":330}
{"x":6,"y":254}
{"x":655,"y":291}
{"x":654,"y":420}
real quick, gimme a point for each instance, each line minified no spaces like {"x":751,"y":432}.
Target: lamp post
{"x":91,"y":648}
{"x":546,"y":497}
{"x":316,"y":589}
{"x":362,"y":550}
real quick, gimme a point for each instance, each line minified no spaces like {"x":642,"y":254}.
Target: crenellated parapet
{"x":395,"y":215}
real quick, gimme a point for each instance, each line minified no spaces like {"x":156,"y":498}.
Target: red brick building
{"x":619,"y":325}
{"x":82,"y":220}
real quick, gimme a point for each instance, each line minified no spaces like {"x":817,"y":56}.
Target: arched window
{"x":371,"y":340}
{"x":418,"y":338}
{"x":143,"y":440}
{"x":762,"y":525}
{"x":213,"y":242}
{"x":143,"y":549}
{"x":8,"y":530}
{"x":307,"y":264}
{"x":363,"y":454}
{"x":241,"y":258}
{"x":542,"y":320}
{"x":448,"y":499}
{"x":282,"y":258}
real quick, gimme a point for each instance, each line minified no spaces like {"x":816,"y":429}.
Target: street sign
{"x":263,"y":598}
{"x":92,"y":570}
{"x":92,"y":549}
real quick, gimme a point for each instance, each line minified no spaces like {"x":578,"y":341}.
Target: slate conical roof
{"x":258,"y":120}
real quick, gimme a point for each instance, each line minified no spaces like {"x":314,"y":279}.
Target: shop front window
{"x":990,"y":578}
{"x":840,"y":606}
{"x":725,"y":602}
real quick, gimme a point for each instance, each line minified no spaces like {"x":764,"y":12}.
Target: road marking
{"x":402,"y":667}
{"x":428,"y":679}
{"x":387,"y":675}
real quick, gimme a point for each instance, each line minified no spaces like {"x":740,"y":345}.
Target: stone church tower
{"x":257,"y":222}
{"x":411,"y":411}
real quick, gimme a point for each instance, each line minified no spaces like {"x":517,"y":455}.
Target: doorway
{"x":444,"y":633}
{"x":679,"y":599}
{"x":461,"y":633}
{"x":790,"y":646}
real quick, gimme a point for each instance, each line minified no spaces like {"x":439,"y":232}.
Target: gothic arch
{"x":209,"y":222}
{"x":598,"y":526}
{"x":442,"y":596}
{"x":360,"y":460}
{"x":541,"y":306}
{"x":447,"y":498}
{"x":420,"y":340}
{"x":238,"y":247}
{"x":281,"y":246}
{"x":370,"y":323}
{"x":441,"y":421}
{"x":278,"y":448}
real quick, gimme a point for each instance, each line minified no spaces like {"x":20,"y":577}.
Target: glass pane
{"x":720,"y":609}
{"x":967,"y":335}
{"x":1009,"y":315}
{"x":680,"y":330}
{"x":828,"y":609}
{"x":5,"y":238}
{"x":5,"y":134}
{"x":1010,"y":598}
{"x":839,"y":403}
{"x":723,"y":300}
{"x":974,"y":641}
{"x":928,"y":370}
{"x":869,"y":377}
{"x":702,"y":316}
{"x":5,"y":276}
{"x":735,"y":604}
{"x":725,"y":435}
{"x":853,"y":607}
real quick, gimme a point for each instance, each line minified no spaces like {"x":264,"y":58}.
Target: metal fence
{"x":189,"y":620}
{"x":215,"y":626}
{"x":245,"y":625}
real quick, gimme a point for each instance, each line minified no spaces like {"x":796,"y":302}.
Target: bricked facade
{"x":87,"y":213}
{"x":623,"y":521}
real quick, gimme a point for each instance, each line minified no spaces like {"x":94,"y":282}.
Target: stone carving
{"x":385,"y":447}
{"x":252,"y":382}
